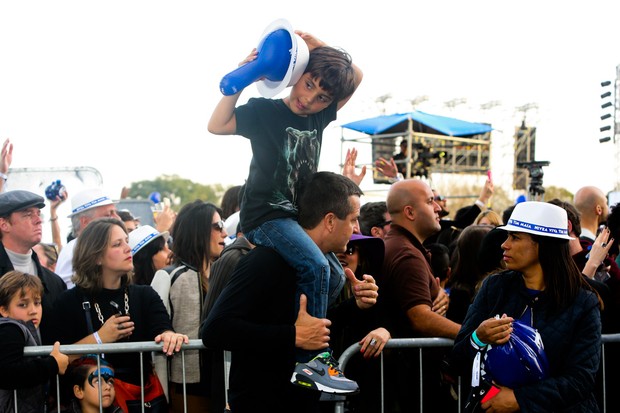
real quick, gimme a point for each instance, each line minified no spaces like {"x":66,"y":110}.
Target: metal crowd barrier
{"x":137,"y":347}
{"x":422,"y":343}
{"x":149,"y":346}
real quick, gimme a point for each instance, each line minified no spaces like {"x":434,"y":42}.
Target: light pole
{"x":611,"y":103}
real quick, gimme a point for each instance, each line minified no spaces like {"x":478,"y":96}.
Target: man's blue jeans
{"x":319,"y":276}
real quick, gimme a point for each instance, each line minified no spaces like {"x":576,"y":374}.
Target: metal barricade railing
{"x":137,"y":347}
{"x":149,"y":346}
{"x":435,"y":342}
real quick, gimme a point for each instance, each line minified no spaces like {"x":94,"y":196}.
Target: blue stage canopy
{"x":422,"y":122}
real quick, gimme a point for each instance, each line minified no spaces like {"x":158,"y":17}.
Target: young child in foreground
{"x":20,"y":307}
{"x":286,"y":137}
{"x":84,"y":381}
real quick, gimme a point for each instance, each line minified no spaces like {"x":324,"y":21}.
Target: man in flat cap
{"x":21,"y":229}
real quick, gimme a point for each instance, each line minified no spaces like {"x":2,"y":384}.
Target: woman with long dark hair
{"x":198,"y":239}
{"x":466,"y":274}
{"x":542,"y":289}
{"x":117,"y":310}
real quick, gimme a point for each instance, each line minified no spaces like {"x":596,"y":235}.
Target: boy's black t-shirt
{"x":285,"y":150}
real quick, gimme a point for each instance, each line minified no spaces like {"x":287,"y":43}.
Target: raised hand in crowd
{"x":598,"y":253}
{"x":165,"y":219}
{"x":348,"y":169}
{"x":54,"y":204}
{"x":6,"y":158}
{"x":387,"y":168}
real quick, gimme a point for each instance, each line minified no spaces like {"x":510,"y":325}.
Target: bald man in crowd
{"x":408,"y":288}
{"x":591,"y":203}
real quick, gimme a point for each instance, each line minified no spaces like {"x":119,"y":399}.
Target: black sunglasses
{"x":218,"y":226}
{"x":351,"y":249}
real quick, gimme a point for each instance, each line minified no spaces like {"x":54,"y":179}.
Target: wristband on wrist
{"x":477,"y":341}
{"x":399,"y":177}
{"x":4,"y":176}
{"x":97,"y":338}
{"x":480,"y":204}
{"x":53,"y":219}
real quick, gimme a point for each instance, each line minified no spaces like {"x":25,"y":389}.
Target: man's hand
{"x":442,"y":301}
{"x":311,"y":333}
{"x":348,"y":169}
{"x":364,"y":291}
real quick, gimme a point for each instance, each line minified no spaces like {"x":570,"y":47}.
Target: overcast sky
{"x":128,"y":86}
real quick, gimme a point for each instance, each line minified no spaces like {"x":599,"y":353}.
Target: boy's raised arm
{"x":223,"y":120}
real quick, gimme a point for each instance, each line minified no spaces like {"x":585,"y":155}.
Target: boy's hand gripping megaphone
{"x":282,"y":59}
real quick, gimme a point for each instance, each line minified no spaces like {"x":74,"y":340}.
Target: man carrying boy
{"x":256,"y":317}
{"x":286,"y":136}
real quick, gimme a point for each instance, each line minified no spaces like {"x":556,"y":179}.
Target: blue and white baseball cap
{"x":142,"y":236}
{"x":88,"y":199}
{"x":538,"y":218}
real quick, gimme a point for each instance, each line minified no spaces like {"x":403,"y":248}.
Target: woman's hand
{"x":116,"y":328}
{"x":503,"y":402}
{"x":495,"y":330}
{"x":365,"y":291}
{"x":172,"y":341}
{"x":373,"y":343}
{"x":598,"y":252}
{"x":387,"y":168}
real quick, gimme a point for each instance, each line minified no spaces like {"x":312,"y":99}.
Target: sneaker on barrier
{"x":322,"y":373}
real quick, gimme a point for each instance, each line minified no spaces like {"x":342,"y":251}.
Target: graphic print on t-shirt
{"x":301,"y":156}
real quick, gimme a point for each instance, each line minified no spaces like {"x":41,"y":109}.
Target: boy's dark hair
{"x":16,"y":282}
{"x":322,"y":193}
{"x":334,"y":68}
{"x":372,"y":214}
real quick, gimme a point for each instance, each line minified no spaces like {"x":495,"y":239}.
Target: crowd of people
{"x":307,"y":269}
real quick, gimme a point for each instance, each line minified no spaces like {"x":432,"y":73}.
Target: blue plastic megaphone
{"x":282,"y":59}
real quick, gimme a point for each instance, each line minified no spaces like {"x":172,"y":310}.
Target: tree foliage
{"x":179,"y":190}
